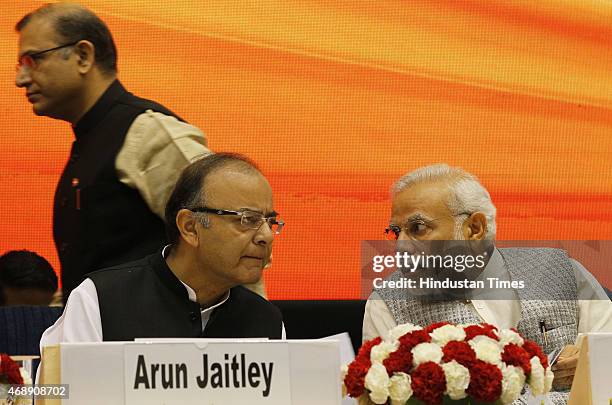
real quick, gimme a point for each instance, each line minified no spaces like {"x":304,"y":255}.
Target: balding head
{"x":191,"y":188}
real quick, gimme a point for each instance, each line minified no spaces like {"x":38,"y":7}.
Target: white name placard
{"x":591,"y":384}
{"x":106,"y":373}
{"x":214,"y":372}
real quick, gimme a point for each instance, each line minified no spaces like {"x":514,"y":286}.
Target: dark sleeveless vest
{"x":145,"y":299}
{"x":97,"y":220}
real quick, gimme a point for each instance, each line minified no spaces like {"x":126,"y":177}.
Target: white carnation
{"x":424,"y":352}
{"x":537,"y":380}
{"x":457,"y":379}
{"x":401,"y":330}
{"x":381,"y":351}
{"x":447,"y":333}
{"x":487,"y":349}
{"x":400,"y":389}
{"x":512,"y":383}
{"x":377,"y":382}
{"x":549,"y":377}
{"x":507,"y":336}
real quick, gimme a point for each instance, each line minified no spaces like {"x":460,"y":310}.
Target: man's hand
{"x":565,"y":367}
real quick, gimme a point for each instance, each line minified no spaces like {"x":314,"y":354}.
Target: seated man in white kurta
{"x":443,"y":203}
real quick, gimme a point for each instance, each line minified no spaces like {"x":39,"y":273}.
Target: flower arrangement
{"x":444,"y":363}
{"x":12,"y":374}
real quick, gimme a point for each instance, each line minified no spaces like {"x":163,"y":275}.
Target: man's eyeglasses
{"x":415,"y":228}
{"x":30,"y":60}
{"x":248,"y":219}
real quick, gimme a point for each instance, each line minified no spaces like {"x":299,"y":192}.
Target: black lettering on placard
{"x":141,"y":373}
{"x":154,"y":370}
{"x":267,"y":378}
{"x":216,"y":375}
{"x":235,"y":367}
{"x":253,"y":373}
{"x":242,"y":375}
{"x":166,"y":381}
{"x":202,"y":380}
{"x":181,"y":369}
{"x":171,"y":375}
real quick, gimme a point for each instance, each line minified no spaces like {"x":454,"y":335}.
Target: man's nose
{"x":264,"y":234}
{"x":22,"y":78}
{"x":407,"y":245}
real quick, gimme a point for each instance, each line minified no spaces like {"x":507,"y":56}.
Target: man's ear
{"x":86,"y":55}
{"x":186,"y":223}
{"x":475,"y":227}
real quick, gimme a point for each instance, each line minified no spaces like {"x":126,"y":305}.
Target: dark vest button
{"x":63,"y":201}
{"x":64,"y":247}
{"x":194,"y":316}
{"x":74,"y":157}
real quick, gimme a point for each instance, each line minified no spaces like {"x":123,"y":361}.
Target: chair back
{"x":22,"y":327}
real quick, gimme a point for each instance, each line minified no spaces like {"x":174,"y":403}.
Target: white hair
{"x":467,"y":195}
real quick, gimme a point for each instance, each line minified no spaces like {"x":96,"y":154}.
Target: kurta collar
{"x":99,"y":109}
{"x":158,"y":261}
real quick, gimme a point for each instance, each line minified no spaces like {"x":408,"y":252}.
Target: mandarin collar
{"x":169,"y":279}
{"x":99,"y":109}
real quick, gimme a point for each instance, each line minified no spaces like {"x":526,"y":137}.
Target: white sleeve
{"x":80,"y":321}
{"x":156,"y":149}
{"x":377,"y":319}
{"x":595,"y":308}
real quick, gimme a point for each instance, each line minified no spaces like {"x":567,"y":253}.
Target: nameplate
{"x":215,"y":372}
{"x":591,"y":384}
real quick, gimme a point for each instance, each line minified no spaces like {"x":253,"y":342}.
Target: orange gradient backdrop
{"x":336,"y":99}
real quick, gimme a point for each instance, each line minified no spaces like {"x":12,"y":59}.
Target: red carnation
{"x":435,"y":326}
{"x":409,"y":340}
{"x":399,"y":360}
{"x":461,"y":352}
{"x":476,"y":330}
{"x":489,"y":326}
{"x":514,"y":355}
{"x":9,"y":371}
{"x":533,"y":349}
{"x":485,"y":382}
{"x":366,"y":348}
{"x":354,"y":381}
{"x":429,"y":383}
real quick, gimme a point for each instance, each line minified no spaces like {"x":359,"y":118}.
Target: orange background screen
{"x":336,"y":99}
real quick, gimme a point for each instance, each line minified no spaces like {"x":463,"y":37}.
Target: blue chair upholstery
{"x":22,"y":327}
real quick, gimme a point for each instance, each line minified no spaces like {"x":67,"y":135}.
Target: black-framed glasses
{"x":415,"y":228}
{"x":30,"y":60}
{"x":248,"y":219}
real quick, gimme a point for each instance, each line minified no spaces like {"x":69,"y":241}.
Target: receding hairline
{"x":52,"y":12}
{"x":444,"y":183}
{"x":232,"y":167}
{"x":448,"y":179}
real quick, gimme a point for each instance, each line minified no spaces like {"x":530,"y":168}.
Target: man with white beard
{"x":442,"y":203}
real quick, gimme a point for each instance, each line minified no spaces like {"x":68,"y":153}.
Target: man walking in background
{"x":128,"y":151}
